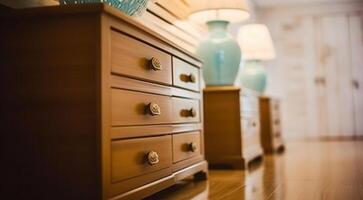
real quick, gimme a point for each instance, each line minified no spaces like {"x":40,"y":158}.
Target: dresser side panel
{"x":222,"y":124}
{"x":265,"y":120}
{"x":50,"y":117}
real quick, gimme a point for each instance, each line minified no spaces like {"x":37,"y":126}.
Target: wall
{"x":319,"y":56}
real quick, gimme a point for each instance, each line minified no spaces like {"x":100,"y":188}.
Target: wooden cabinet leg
{"x":202,"y":175}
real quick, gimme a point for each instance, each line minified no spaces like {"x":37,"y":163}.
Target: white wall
{"x":313,"y":70}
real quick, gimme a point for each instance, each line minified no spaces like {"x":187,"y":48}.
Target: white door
{"x":356,"y":43}
{"x":335,"y":61}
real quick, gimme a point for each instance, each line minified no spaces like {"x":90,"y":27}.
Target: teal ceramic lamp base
{"x":220,"y":54}
{"x":254,"y":76}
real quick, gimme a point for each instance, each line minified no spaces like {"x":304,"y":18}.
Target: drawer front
{"x":275,"y":105}
{"x":276,"y":128}
{"x":136,"y":157}
{"x":137,"y":108}
{"x":185,"y":75}
{"x":186,"y":145}
{"x":252,"y":130}
{"x":275,"y":109}
{"x":249,"y":105}
{"x":250,"y":125}
{"x":185,"y":110}
{"x":275,"y":121}
{"x":133,"y":58}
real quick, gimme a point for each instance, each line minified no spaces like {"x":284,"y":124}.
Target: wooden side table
{"x":232,"y":137}
{"x":270,"y":120}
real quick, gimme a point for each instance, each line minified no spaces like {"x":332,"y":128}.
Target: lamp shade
{"x":255,"y":42}
{"x":203,"y":11}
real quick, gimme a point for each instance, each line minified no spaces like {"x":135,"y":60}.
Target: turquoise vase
{"x":129,"y":7}
{"x":254,"y":76}
{"x":220,"y":54}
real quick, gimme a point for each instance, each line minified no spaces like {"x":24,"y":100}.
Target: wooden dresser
{"x":270,"y":119}
{"x":95,"y":106}
{"x":232,"y":130}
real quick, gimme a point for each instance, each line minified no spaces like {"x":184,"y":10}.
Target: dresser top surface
{"x":72,"y":9}
{"x":230,"y":88}
{"x":267,"y":98}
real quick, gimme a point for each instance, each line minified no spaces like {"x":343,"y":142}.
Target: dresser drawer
{"x":133,"y":58}
{"x":277,"y":132}
{"x":249,"y":105}
{"x":185,"y":110}
{"x":185,"y":75}
{"x":137,"y":108}
{"x":135,"y":157}
{"x":275,"y":109}
{"x":250,"y":125}
{"x":275,"y":121}
{"x":275,"y":105}
{"x":252,"y":131}
{"x":186,"y":145}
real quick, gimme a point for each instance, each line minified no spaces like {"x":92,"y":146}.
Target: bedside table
{"x":232,"y":130}
{"x":270,"y":119}
{"x":97,"y":106}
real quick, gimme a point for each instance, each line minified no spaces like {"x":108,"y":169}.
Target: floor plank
{"x":305,"y":171}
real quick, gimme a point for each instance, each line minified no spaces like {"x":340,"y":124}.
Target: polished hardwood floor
{"x":306,"y":170}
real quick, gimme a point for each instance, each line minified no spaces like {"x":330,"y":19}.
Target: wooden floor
{"x":309,"y":170}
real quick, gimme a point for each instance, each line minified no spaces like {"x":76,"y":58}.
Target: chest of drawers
{"x":99,"y":106}
{"x":270,"y":119}
{"x":232,"y":127}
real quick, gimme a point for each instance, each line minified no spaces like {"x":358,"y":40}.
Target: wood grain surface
{"x":232,"y":137}
{"x":63,"y":102}
{"x":130,"y":57}
{"x":270,"y":120}
{"x":306,"y":171}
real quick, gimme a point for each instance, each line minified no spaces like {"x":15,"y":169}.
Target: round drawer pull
{"x":192,"y":147}
{"x":155,"y":64}
{"x":188,"y":78}
{"x":254,"y":124}
{"x":192,"y":112}
{"x":153,"y":109}
{"x":152,"y":158}
{"x":192,"y":78}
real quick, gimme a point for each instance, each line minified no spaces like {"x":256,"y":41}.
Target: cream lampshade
{"x":203,"y":11}
{"x":255,"y":42}
{"x":256,"y":45}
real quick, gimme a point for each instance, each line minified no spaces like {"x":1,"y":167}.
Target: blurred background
{"x":319,"y":68}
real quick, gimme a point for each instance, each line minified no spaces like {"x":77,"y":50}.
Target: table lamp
{"x":220,"y":52}
{"x":257,"y":47}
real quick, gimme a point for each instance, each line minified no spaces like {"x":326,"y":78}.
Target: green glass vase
{"x":220,"y":54}
{"x":254,"y":75}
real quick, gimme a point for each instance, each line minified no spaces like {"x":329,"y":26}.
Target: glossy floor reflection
{"x":308,"y":170}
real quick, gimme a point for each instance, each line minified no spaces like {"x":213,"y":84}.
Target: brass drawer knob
{"x":152,"y":158}
{"x":192,"y":147}
{"x":188,"y":78}
{"x":192,"y":78}
{"x":192,"y":112}
{"x":254,"y":124}
{"x":155,"y":64}
{"x":153,"y":109}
